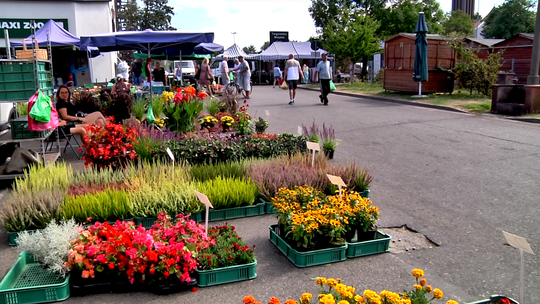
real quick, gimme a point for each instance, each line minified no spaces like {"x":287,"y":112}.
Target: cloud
{"x":252,"y":20}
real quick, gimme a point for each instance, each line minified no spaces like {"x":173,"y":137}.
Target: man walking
{"x":293,"y":71}
{"x":244,"y":75}
{"x":323,"y":68}
{"x":224,"y":70}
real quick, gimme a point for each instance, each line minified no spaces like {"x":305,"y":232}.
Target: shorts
{"x":277,"y":77}
{"x":244,"y":83}
{"x":293,"y":84}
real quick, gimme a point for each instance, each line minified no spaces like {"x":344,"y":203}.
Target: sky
{"x":253,"y":20}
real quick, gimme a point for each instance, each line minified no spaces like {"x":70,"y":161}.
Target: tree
{"x":250,"y":49}
{"x":402,"y":16}
{"x":509,"y":19}
{"x":265,"y":46}
{"x":153,"y":14}
{"x":458,"y":23}
{"x":355,"y":41}
{"x":474,"y":73}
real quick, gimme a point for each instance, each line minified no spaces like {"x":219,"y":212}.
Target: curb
{"x":406,"y":102}
{"x":425,"y":105}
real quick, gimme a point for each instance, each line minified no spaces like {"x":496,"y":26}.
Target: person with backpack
{"x":136,"y":68}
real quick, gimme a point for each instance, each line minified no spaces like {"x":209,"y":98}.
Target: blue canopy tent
{"x":164,"y":42}
{"x":57,"y":36}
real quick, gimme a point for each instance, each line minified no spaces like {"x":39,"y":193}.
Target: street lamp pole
{"x":234,"y":36}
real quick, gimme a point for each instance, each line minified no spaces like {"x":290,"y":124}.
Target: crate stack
{"x":18,"y":79}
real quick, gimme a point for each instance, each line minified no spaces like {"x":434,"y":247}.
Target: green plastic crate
{"x":19,"y":129}
{"x":307,"y":258}
{"x":16,"y":77}
{"x":380,"y":244}
{"x":226,"y":274}
{"x":492,"y":299}
{"x":18,"y":86}
{"x":28,"y":283}
{"x":18,"y":68}
{"x":268,"y":206}
{"x":232,"y":213}
{"x":147,"y":222}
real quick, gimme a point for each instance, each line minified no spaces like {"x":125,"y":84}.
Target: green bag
{"x":332,"y":86}
{"x":41,"y":111}
{"x":150,"y":115}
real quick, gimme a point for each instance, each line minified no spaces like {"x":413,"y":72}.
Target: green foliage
{"x":181,"y":117}
{"x":146,"y":147}
{"x":22,"y":108}
{"x":205,"y":172}
{"x":474,"y":73}
{"x":229,"y":192}
{"x":152,"y":14}
{"x":138,"y":108}
{"x":94,"y":176}
{"x":265,"y":45}
{"x":102,"y":206}
{"x":31,"y":210}
{"x":229,"y":249}
{"x":157,"y":107}
{"x":250,"y":49}
{"x":401,"y":17}
{"x":509,"y":19}
{"x":458,"y":23}
{"x":213,"y":106}
{"x":355,"y":40}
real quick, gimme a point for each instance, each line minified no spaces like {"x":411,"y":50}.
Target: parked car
{"x":7,"y":112}
{"x":188,"y":68}
{"x":214,"y":66}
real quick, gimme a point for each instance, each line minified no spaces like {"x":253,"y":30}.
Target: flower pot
{"x":172,"y":285}
{"x":362,"y":236}
{"x":349,"y":235}
{"x":329,"y":154}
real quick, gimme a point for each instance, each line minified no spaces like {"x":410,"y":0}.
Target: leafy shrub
{"x":229,"y":192}
{"x":103,"y":206}
{"x":50,"y":246}
{"x":31,"y":210}
{"x":157,"y":107}
{"x":228,"y":250}
{"x":213,"y":106}
{"x":138,"y":108}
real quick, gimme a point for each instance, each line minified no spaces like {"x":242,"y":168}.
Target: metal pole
{"x":521,"y":277}
{"x":533,"y":77}
{"x":419,"y":88}
{"x":8,"y":44}
{"x":49,"y":50}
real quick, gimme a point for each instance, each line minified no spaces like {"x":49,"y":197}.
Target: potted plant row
{"x":335,"y":291}
{"x":317,"y":229}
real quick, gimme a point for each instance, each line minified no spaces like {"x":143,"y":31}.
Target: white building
{"x":80,"y":17}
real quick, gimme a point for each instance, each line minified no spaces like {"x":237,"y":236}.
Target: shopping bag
{"x":332,"y":86}
{"x":34,"y":125}
{"x":284,"y":86}
{"x":41,"y":111}
{"x":150,"y":115}
{"x":280,"y":80}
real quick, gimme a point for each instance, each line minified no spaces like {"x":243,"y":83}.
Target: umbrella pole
{"x":151,"y":92}
{"x":420,"y":88}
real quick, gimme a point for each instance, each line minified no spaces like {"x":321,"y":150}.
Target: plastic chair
{"x":69,"y":143}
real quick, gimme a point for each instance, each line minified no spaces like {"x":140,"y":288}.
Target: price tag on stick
{"x":204,"y":199}
{"x":313,"y":146}
{"x":523,"y":246}
{"x":299,"y":130}
{"x":171,"y":155}
{"x":267,"y":112}
{"x":336,"y":180}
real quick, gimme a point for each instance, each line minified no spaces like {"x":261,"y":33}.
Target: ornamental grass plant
{"x":229,"y":192}
{"x":108,"y":205}
{"x":226,"y":249}
{"x":204,"y":172}
{"x":31,"y":210}
{"x":57,"y":177}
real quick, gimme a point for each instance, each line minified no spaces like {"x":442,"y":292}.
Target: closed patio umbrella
{"x":420,"y":72}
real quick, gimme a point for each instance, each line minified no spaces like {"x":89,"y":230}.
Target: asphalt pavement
{"x":457,"y":178}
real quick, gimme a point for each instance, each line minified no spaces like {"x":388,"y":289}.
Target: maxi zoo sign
{"x":22,"y":28}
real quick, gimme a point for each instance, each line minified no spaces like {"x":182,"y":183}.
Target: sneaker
{"x":291,"y":102}
{"x":320,"y":97}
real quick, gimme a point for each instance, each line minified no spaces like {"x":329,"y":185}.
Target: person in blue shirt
{"x":325,"y":75}
{"x":277,"y":75}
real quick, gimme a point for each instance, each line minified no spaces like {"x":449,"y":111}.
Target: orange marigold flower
{"x":452,"y":302}
{"x":417,"y":286}
{"x":274,"y":300}
{"x":290,"y":301}
{"x":437,"y":293}
{"x":429,"y":288}
{"x":418,"y":273}
{"x":249,"y":300}
{"x":202,"y":95}
{"x":423,"y":282}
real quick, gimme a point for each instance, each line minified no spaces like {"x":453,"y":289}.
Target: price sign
{"x":171,"y":155}
{"x":313,"y":146}
{"x":523,"y":246}
{"x":204,"y":199}
{"x":338,"y":181}
{"x":299,"y":130}
{"x":267,"y":112}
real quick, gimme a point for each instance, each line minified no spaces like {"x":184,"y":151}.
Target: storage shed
{"x":517,"y":55}
{"x":399,"y":62}
{"x":483,"y":46}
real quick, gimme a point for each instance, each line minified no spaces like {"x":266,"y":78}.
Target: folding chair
{"x":68,"y":138}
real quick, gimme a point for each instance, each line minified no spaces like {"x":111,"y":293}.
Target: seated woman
{"x":68,"y":111}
